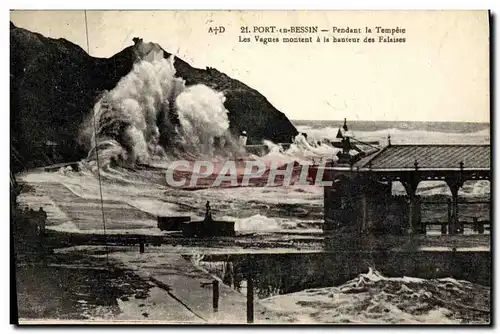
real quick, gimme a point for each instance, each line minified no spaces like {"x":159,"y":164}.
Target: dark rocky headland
{"x":55,"y":83}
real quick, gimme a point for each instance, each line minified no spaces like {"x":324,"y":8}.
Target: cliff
{"x":55,"y":83}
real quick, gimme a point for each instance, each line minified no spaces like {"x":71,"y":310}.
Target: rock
{"x":125,"y":299}
{"x":145,"y":314}
{"x":55,"y":84}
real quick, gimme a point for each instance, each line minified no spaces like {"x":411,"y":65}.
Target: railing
{"x":477,"y":225}
{"x":466,"y":217}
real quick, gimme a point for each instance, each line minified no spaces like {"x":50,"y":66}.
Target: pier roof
{"x":430,"y":157}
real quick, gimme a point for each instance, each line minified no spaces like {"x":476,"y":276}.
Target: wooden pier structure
{"x":360,"y":197}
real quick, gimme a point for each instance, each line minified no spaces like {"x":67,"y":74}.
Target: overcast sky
{"x":441,"y":73}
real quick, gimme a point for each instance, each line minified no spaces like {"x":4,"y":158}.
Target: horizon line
{"x":370,"y":120}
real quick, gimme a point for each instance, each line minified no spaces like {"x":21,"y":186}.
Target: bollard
{"x":249,"y":298}
{"x":215,"y":295}
{"x":480,"y":228}
{"x":141,"y":245}
{"x":443,"y":229}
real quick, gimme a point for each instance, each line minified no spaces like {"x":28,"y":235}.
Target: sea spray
{"x":203,"y":119}
{"x":300,"y":150}
{"x":150,"y":114}
{"x":374,"y":298}
{"x":126,"y":118}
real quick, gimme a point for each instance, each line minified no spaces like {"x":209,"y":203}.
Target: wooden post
{"x":250,"y":298}
{"x":141,"y":245}
{"x":449,"y":213}
{"x":215,"y":295}
{"x":480,"y":226}
{"x":454,"y":217}
{"x":443,"y":229}
{"x":454,"y":184}
{"x":413,"y":214}
{"x":422,"y":228}
{"x":410,"y":220}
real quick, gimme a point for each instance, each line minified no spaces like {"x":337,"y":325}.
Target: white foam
{"x":401,"y":136}
{"x":259,"y":223}
{"x":373,"y":298}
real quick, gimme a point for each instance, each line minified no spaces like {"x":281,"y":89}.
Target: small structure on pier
{"x":360,"y":197}
{"x":208,"y":227}
{"x":172,"y":223}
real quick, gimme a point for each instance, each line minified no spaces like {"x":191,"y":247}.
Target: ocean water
{"x":401,"y":132}
{"x":372,"y":298}
{"x":366,"y":126}
{"x":345,"y":288}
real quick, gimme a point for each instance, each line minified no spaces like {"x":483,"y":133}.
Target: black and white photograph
{"x":247,"y":167}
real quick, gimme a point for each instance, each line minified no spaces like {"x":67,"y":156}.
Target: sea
{"x":401,"y":132}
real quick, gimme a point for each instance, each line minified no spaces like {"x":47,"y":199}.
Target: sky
{"x":441,"y":72}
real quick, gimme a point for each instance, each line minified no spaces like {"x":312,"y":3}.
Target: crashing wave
{"x":373,"y":298}
{"x":151,"y":114}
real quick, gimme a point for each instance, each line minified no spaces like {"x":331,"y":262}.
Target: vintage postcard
{"x":250,"y":167}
